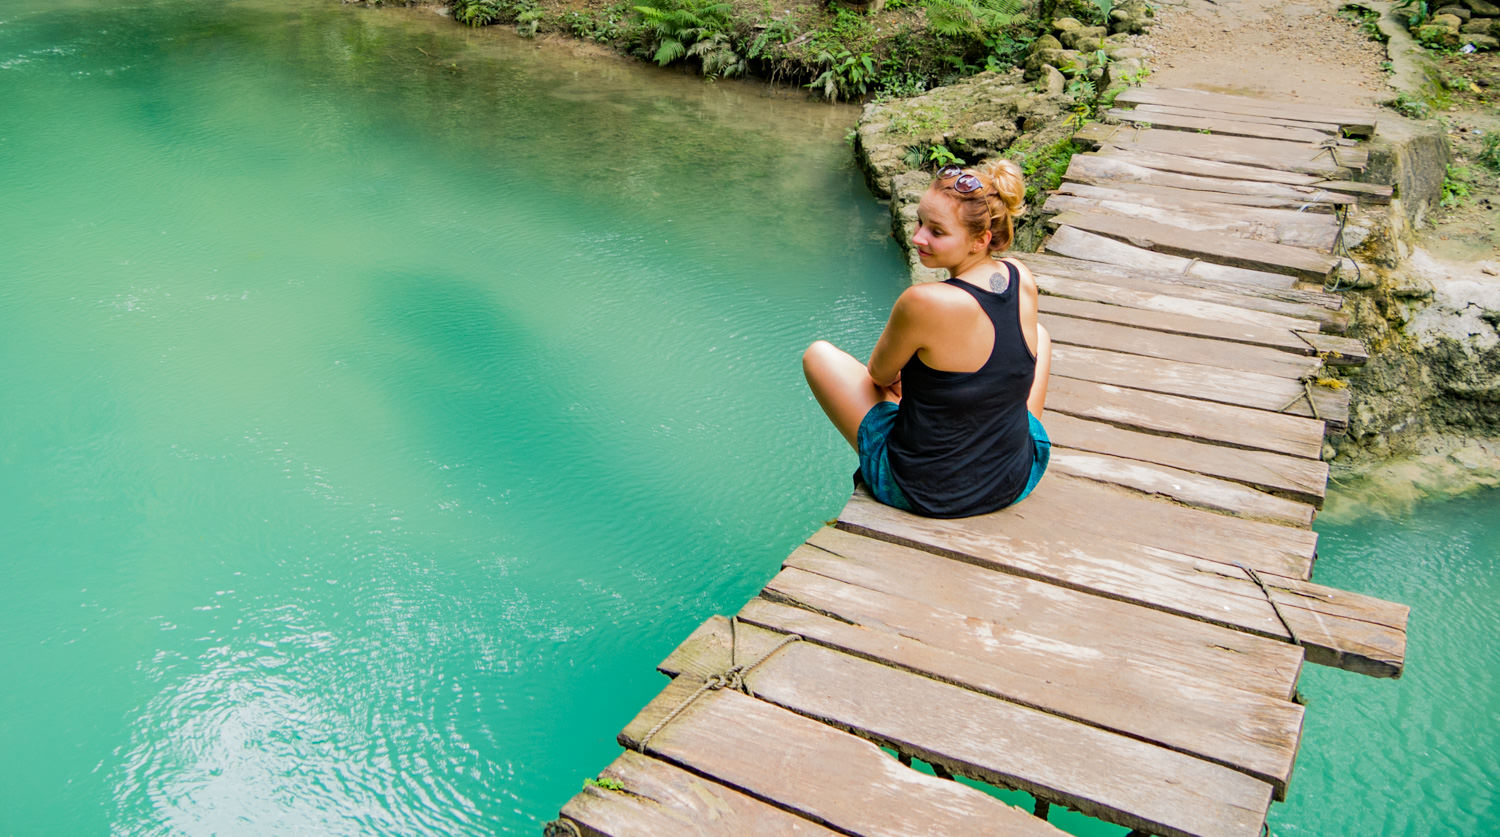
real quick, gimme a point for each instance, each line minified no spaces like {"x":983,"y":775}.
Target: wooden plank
{"x":1245,"y":731}
{"x":1182,"y":486}
{"x":808,"y":768}
{"x":654,"y":797}
{"x":1243,"y":389}
{"x":1375,"y":193}
{"x":1003,"y":743}
{"x":1327,"y":129}
{"x":1074,"y":302}
{"x":1016,"y":619}
{"x":1304,"y":480}
{"x":1298,"y":303}
{"x":1086,"y":246}
{"x":1353,"y":121}
{"x":1332,"y":163}
{"x":1201,"y":244}
{"x":1217,"y":125}
{"x":1208,"y":168}
{"x":1286,"y":227}
{"x":1296,"y":231}
{"x":1123,"y":515}
{"x":1286,"y":224}
{"x":1336,"y":350}
{"x":1131,"y":338}
{"x":1197,"y":192}
{"x":1115,"y":170}
{"x":1204,"y":590}
{"x":1189,"y":418}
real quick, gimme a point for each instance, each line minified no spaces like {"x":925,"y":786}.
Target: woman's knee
{"x":820,"y":356}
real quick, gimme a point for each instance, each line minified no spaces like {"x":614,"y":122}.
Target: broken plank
{"x":1304,"y":480}
{"x":1353,"y":121}
{"x":1124,"y":515}
{"x":1374,"y":193}
{"x":1301,"y":303}
{"x":1194,"y":588}
{"x":1336,"y":350}
{"x":1327,"y":129}
{"x":1198,"y":192}
{"x":806,"y":767}
{"x":1243,"y":389}
{"x":1190,"y":418}
{"x":1116,"y":170}
{"x":641,"y":795}
{"x":1330,"y":162}
{"x":1249,"y":732}
{"x":1003,"y":743}
{"x":1198,"y":244}
{"x":1207,"y":168}
{"x":1227,"y":354}
{"x":1294,"y":231}
{"x":1217,"y":125}
{"x":1075,"y":300}
{"x":1182,"y":486}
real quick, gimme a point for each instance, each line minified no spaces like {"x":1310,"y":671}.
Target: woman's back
{"x":959,"y":443}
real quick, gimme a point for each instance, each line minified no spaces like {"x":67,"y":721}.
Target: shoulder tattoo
{"x":999,"y":282}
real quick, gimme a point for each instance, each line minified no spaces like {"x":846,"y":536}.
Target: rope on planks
{"x":1307,"y":392}
{"x":732,"y":677}
{"x":1255,"y":577}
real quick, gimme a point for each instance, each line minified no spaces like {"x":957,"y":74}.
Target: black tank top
{"x":961,"y":444}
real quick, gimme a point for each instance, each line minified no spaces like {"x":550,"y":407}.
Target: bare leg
{"x":1038,"y":397}
{"x":842,"y":386}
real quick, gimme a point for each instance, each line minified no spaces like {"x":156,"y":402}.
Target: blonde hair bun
{"x":1006,"y":196}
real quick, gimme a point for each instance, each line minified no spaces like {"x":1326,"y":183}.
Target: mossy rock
{"x":1433,"y":35}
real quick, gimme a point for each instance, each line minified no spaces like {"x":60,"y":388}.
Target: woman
{"x":945,"y":417}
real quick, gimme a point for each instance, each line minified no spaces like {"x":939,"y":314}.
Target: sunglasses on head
{"x":965,"y":182}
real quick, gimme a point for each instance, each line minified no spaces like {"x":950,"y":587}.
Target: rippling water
{"x":382,"y":400}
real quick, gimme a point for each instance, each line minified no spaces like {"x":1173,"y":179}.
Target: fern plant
{"x":475,"y":12}
{"x":971,"y":18}
{"x":672,"y":27}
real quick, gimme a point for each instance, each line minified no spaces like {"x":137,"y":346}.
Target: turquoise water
{"x":382,"y":400}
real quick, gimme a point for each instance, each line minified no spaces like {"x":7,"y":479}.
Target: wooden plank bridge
{"x":1127,"y":641}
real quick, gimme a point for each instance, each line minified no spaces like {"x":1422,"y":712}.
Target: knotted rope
{"x":1255,"y":577}
{"x":732,"y":677}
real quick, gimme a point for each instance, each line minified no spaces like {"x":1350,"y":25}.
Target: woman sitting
{"x":945,"y":417}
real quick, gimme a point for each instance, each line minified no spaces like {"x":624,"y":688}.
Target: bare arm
{"x":901,"y":338}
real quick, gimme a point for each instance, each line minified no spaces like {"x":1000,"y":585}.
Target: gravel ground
{"x":1290,"y":49}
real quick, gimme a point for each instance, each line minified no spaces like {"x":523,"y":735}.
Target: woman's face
{"x":941,"y":241}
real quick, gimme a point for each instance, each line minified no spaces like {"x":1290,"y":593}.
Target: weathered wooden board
{"x":1182,"y":486}
{"x":1331,"y":163}
{"x":1326,"y":129}
{"x":1353,"y":121}
{"x":1294,"y":231}
{"x":1111,"y":169}
{"x":1297,"y":303}
{"x":1376,"y":193}
{"x":1190,"y":418}
{"x":1278,"y":227}
{"x":1217,"y":593}
{"x":1304,"y":480}
{"x":1217,"y":247}
{"x":1336,"y":350}
{"x":809,"y":768}
{"x":1243,"y":389}
{"x":1199,"y":194}
{"x":1120,"y":337}
{"x":1117,"y":308}
{"x":1217,"y":125}
{"x":1123,"y":515}
{"x":1249,"y":732}
{"x":1004,"y":743}
{"x":1208,"y":168}
{"x":656,"y":798}
{"x":1023,"y":617}
{"x":1286,"y":221}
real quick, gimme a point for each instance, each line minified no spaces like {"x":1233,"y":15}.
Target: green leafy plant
{"x":1103,"y":7}
{"x":1416,"y":12}
{"x":844,"y":74}
{"x":604,"y":782}
{"x":670,"y":28}
{"x":1489,"y":152}
{"x":475,"y":12}
{"x":1455,"y":186}
{"x":1042,"y":168}
{"x":931,"y":156}
{"x":1410,"y":106}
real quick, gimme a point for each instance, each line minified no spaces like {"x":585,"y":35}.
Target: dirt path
{"x":1290,"y":49}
